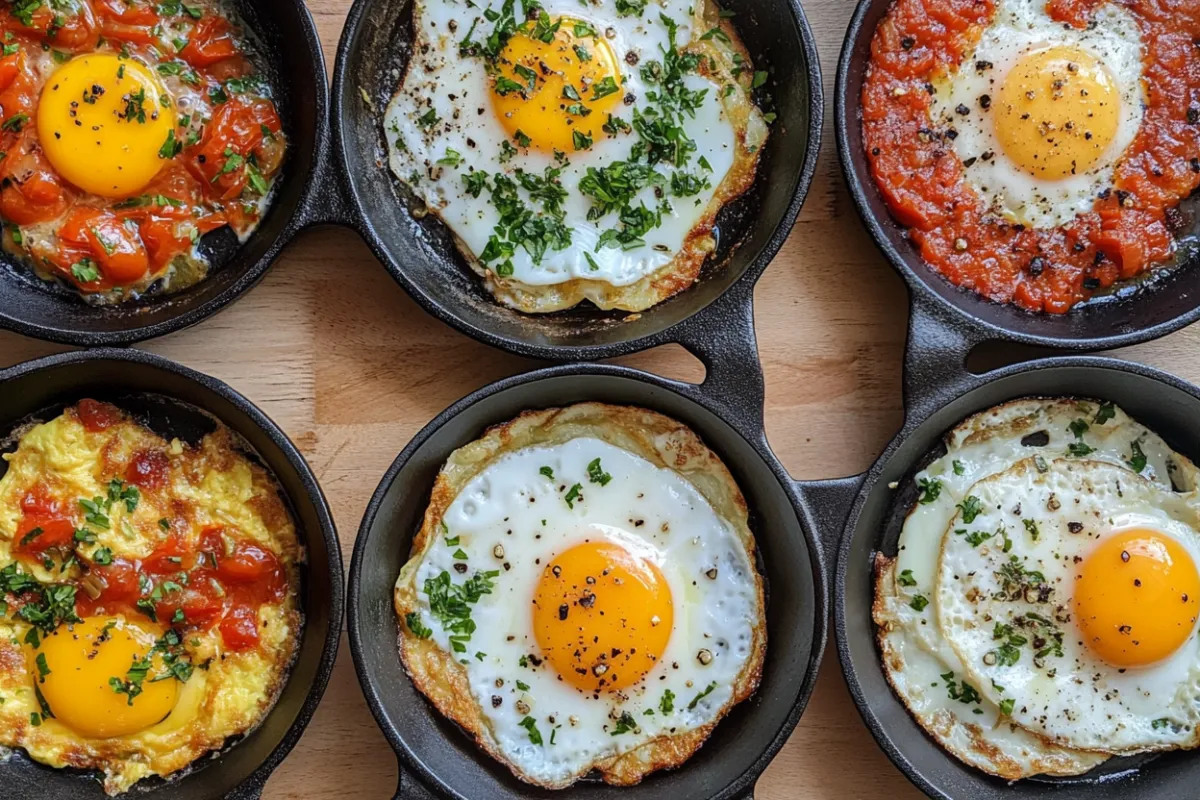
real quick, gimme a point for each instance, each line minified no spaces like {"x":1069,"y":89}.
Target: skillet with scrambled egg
{"x":149,"y":595}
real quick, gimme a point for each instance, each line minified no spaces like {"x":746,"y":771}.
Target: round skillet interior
{"x":1153,"y":307}
{"x":420,"y":254}
{"x":1162,"y":403}
{"x":175,"y":402}
{"x":290,"y":55}
{"x":741,"y":745}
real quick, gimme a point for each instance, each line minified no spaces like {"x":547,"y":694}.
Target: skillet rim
{"x":921,"y":280}
{"x":743,"y":785}
{"x":878,"y":729}
{"x":188,"y":315}
{"x":252,"y":784}
{"x":677,"y":332}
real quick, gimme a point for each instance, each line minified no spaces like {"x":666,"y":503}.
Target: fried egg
{"x":1072,"y":595}
{"x":583,"y":594}
{"x":917,"y":657}
{"x":1042,"y":112}
{"x":149,"y":596}
{"x":577,"y":151}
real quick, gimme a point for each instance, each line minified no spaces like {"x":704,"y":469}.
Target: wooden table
{"x":336,"y":353}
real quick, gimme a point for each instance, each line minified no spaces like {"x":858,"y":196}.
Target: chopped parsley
{"x":549,"y":473}
{"x":906,"y":578}
{"x":959,"y":469}
{"x":530,"y":725}
{"x":450,"y":603}
{"x":625,"y":724}
{"x":970,"y":508}
{"x":930,"y":490}
{"x":919,"y":603}
{"x":596,"y":474}
{"x":1137,"y":458}
{"x":413,"y":620}
{"x":573,"y":495}
{"x":1032,"y":528}
{"x":707,"y":691}
{"x":667,"y":704}
{"x":1104,"y":413}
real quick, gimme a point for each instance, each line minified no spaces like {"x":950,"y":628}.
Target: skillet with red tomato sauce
{"x":128,"y":130}
{"x":1135,"y":223}
{"x":149,"y":595}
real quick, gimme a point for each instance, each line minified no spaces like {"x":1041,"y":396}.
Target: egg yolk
{"x":1136,"y":598}
{"x":554,"y":89}
{"x":78,"y":667}
{"x":102,"y":121}
{"x":602,"y":616}
{"x":1057,"y":113}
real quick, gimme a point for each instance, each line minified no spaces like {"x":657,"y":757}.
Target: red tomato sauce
{"x":219,"y":581}
{"x":230,"y":145}
{"x":1128,"y":232}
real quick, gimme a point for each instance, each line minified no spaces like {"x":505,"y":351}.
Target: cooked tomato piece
{"x":237,"y":131}
{"x":170,"y":557}
{"x":115,"y":245}
{"x":132,"y":22}
{"x":148,"y":469}
{"x":96,"y":416}
{"x":239,"y":629}
{"x":200,"y":609}
{"x":210,"y":41}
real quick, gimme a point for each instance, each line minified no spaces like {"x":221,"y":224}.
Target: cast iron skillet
{"x":1163,"y":403}
{"x":303,"y":196}
{"x":177,"y":402}
{"x":420,"y":254}
{"x":790,"y":521}
{"x":1165,"y":304}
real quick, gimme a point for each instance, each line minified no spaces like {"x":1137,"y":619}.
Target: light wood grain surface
{"x":333,"y":350}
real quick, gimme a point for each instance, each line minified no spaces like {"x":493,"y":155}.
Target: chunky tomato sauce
{"x":219,"y":581}
{"x":1130,"y":229}
{"x":216,"y":168}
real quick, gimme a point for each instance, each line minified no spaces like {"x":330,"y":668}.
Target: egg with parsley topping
{"x":148,"y":595}
{"x":583,"y":594}
{"x":577,"y":151}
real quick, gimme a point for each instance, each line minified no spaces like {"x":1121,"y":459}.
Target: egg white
{"x":652,"y":512}
{"x":1019,"y":28}
{"x":459,"y":90}
{"x":1076,"y":699}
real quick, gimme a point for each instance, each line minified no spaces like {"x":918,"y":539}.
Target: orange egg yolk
{"x":1057,"y":112}
{"x":102,"y":121}
{"x":76,"y":666}
{"x":554,"y":89}
{"x":1136,"y":598}
{"x":602,"y":616}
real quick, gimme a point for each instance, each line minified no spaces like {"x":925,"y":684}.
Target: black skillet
{"x":1134,"y":314}
{"x":790,"y":521}
{"x":177,"y":402}
{"x":420,"y":254}
{"x":306,"y":194}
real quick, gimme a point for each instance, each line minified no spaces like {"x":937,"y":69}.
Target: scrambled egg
{"x":149,"y":591}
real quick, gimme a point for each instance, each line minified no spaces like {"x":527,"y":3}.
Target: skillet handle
{"x":826,"y":505}
{"x":327,"y":198}
{"x":410,"y":787}
{"x":935,"y":359}
{"x":722,"y":337}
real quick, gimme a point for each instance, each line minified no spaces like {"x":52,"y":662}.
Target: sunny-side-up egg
{"x":583,"y":594}
{"x":921,"y":665}
{"x":102,"y":122}
{"x":577,"y":150}
{"x":1042,"y":112}
{"x":1072,"y":596}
